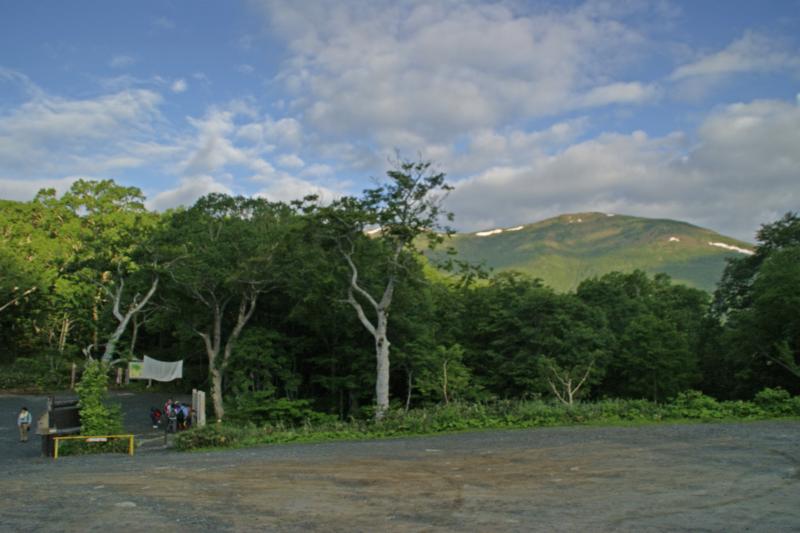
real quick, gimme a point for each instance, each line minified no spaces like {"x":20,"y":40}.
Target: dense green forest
{"x":334,"y":305}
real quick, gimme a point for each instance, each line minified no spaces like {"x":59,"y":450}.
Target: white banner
{"x":158,"y":370}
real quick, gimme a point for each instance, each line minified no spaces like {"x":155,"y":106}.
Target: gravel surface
{"x":704,"y":477}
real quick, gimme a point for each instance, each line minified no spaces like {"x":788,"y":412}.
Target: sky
{"x":683,"y":110}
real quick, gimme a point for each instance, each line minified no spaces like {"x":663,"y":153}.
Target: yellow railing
{"x":93,"y":438}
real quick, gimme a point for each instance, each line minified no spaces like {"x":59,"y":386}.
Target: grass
{"x":688,"y":407}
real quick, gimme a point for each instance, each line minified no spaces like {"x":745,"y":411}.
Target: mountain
{"x":567,"y":249}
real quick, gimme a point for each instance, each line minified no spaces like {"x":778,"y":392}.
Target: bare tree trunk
{"x":382,"y":367}
{"x":134,"y":333}
{"x":123,"y":320}
{"x":444,"y":383}
{"x":378,"y":331}
{"x":66,"y":325}
{"x":216,"y":392}
{"x":568,"y":388}
{"x":410,"y":376}
{"x":15,"y":300}
{"x":213,"y":342}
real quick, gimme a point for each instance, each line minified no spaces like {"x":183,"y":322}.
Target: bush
{"x":33,"y":373}
{"x":775,"y":401}
{"x":260,"y":408}
{"x":458,"y":416}
{"x":97,"y":417}
{"x":694,"y":404}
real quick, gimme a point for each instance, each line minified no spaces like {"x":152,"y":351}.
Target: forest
{"x":336,"y":306}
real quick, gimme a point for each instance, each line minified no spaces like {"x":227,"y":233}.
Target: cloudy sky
{"x":686,"y":110}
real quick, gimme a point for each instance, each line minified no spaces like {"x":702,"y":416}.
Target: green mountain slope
{"x":565,"y":250}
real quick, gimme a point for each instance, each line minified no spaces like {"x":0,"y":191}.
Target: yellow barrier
{"x":93,"y":438}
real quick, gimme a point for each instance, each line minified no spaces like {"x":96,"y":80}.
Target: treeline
{"x":270,"y":301}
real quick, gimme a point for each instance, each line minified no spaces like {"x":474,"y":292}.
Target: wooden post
{"x":198,"y":408}
{"x":72,"y":377}
{"x":119,"y":376}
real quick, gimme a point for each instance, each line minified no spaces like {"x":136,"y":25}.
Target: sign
{"x":97,"y":439}
{"x":135,"y":369}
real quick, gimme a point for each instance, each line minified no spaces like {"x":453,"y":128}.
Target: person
{"x":24,"y":422}
{"x":168,"y":408}
{"x":155,"y":416}
{"x":170,"y":412}
{"x":180,"y":416}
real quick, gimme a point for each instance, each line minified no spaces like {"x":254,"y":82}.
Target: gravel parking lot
{"x":703,"y":477}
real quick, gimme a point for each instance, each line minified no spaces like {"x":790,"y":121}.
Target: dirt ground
{"x":704,"y":477}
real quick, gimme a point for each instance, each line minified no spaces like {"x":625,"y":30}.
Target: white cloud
{"x":179,"y":86}
{"x":245,"y":69}
{"x":317,"y":171}
{"x":52,"y":136}
{"x":187,"y":192}
{"x":284,"y":187}
{"x":415,"y":74}
{"x":741,"y":173}
{"x":290,"y":161}
{"x":25,"y":190}
{"x":121,"y":61}
{"x":753,"y":52}
{"x":617,"y":93}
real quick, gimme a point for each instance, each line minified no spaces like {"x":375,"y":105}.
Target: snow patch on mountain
{"x":731,"y":248}
{"x":490,"y":232}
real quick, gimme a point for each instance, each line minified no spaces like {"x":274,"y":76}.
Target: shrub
{"x":775,"y":401}
{"x":260,"y":408}
{"x":97,"y":417}
{"x":694,"y":404}
{"x":457,"y":416}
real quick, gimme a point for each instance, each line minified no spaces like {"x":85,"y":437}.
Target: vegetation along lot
{"x":309,"y":323}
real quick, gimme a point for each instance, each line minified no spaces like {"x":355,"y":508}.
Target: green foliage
{"x":506,"y":338}
{"x":565,"y":250}
{"x":775,"y":401}
{"x":97,"y":417}
{"x":688,"y":406}
{"x":757,"y":329}
{"x":34,"y":373}
{"x":261,"y":408}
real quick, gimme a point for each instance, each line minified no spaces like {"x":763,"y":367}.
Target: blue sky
{"x":685,"y":110}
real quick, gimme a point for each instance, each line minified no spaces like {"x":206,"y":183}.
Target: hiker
{"x":24,"y":422}
{"x":171,"y":412}
{"x":155,"y":416}
{"x":187,"y":418}
{"x":180,"y":416}
{"x":168,"y":408}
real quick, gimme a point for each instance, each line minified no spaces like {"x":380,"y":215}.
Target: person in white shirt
{"x":24,"y":423}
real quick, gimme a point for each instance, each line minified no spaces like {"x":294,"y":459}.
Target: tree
{"x":113,"y":227}
{"x":656,"y":329}
{"x":226,"y":250}
{"x":401,"y":212}
{"x":755,"y":310}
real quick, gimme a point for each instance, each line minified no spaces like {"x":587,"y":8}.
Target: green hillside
{"x":564,"y":250}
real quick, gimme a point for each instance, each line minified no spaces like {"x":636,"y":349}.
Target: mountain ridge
{"x":565,"y":249}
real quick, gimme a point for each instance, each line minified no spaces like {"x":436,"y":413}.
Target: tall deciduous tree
{"x":398,"y":213}
{"x":227,"y":248}
{"x":114,"y":228}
